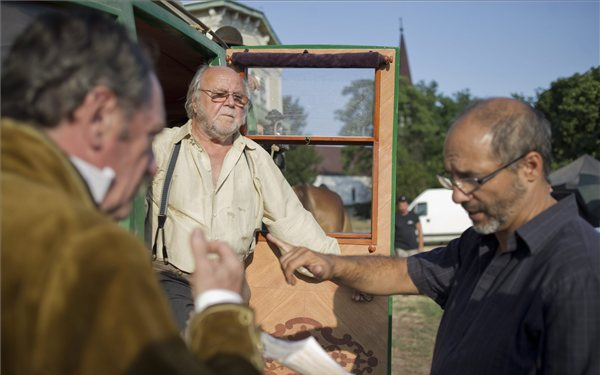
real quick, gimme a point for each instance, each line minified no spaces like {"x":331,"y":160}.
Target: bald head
{"x":506,"y":127}
{"x":493,"y":111}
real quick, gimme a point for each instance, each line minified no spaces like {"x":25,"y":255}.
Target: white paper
{"x":305,"y":356}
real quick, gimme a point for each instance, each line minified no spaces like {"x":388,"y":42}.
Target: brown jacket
{"x":78,"y":292}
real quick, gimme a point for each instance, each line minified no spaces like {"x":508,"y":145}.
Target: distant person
{"x":80,"y":106}
{"x":409,"y":234}
{"x":520,"y":289}
{"x":222,"y":182}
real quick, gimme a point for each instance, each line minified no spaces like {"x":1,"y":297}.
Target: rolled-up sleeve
{"x":433,"y":272}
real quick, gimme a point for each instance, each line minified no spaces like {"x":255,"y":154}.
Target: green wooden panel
{"x":197,"y":40}
{"x":393,"y":210}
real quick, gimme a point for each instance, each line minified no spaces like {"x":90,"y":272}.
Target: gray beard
{"x":215,"y":132}
{"x":212,"y":130}
{"x":488,"y":228}
{"x":503,"y":210}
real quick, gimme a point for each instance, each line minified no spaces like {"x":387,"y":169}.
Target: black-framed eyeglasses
{"x":240,"y":100}
{"x":468,"y":185}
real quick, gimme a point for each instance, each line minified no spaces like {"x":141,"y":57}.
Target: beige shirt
{"x":251,"y":190}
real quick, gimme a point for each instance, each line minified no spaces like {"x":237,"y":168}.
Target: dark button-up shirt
{"x":534,"y":309}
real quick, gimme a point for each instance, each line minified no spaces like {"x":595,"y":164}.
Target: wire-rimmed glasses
{"x":468,"y":185}
{"x":218,"y":96}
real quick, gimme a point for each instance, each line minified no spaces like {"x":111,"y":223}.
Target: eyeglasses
{"x":469,"y":185}
{"x":240,"y":100}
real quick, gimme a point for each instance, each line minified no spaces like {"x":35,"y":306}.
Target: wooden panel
{"x":353,"y":333}
{"x":387,"y":80}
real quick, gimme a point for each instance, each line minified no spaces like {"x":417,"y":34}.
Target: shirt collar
{"x":184,"y":132}
{"x":536,"y":233}
{"x":98,"y":180}
{"x":244,"y":142}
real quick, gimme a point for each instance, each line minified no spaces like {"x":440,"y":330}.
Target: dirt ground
{"x":414,"y":327}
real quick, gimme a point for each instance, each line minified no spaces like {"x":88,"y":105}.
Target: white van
{"x":441,"y":219}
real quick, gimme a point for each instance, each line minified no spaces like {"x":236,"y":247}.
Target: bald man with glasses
{"x":210,"y":176}
{"x":521,"y":288}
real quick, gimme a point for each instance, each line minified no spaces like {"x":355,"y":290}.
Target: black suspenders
{"x":164,"y":198}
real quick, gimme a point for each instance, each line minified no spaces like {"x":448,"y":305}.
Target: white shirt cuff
{"x":216,"y":296}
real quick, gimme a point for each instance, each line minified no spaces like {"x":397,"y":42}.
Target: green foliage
{"x":531,"y":100}
{"x":572,"y":105}
{"x":301,"y":162}
{"x":357,"y":115}
{"x":424,"y":116}
{"x":301,"y":165}
{"x":357,"y":161}
{"x":294,"y":115}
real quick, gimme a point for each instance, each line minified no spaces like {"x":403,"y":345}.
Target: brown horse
{"x":328,"y":209}
{"x":326,"y":206}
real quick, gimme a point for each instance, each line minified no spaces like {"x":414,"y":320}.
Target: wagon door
{"x":327,"y":114}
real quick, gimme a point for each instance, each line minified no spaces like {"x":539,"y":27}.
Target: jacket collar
{"x":27,"y":152}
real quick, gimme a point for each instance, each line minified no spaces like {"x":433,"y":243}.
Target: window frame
{"x":379,"y":145}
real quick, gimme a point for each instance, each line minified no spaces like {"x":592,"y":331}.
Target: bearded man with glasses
{"x":222,"y":182}
{"x":521,"y":288}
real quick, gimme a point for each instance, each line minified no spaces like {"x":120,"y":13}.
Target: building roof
{"x":404,"y":67}
{"x":263,"y":25}
{"x":331,"y":160}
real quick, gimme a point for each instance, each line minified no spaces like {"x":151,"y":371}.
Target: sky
{"x":491,"y":48}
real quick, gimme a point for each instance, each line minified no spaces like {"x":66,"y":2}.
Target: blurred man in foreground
{"x":80,"y":106}
{"x":520,"y":288}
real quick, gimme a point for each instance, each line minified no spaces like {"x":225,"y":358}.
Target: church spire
{"x":404,"y":67}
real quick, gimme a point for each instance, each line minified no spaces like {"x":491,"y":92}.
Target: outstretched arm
{"x":371,"y":274}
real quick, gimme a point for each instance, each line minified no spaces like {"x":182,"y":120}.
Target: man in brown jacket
{"x":80,"y":107}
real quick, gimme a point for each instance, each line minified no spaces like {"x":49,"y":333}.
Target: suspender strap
{"x":164,"y":199}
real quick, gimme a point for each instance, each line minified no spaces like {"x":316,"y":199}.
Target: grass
{"x":414,"y":327}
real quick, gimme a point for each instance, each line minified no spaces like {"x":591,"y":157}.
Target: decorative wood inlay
{"x":347,"y":352}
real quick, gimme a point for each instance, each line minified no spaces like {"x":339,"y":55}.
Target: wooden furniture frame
{"x":357,"y":335}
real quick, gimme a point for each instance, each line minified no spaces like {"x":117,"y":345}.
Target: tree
{"x":301,"y":165}
{"x":294,"y":115}
{"x":357,"y":160}
{"x":572,"y":105}
{"x":531,"y":100}
{"x":424,"y":116}
{"x":301,"y":162}
{"x":357,"y":115}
